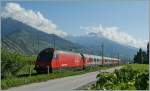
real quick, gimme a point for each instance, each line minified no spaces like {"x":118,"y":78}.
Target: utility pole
{"x":118,"y":55}
{"x":38,"y":40}
{"x":102,"y":46}
{"x":90,"y":53}
{"x":112,"y":56}
{"x":33,"y":44}
{"x":54,"y":41}
{"x":100,"y":60}
{"x":118,"y":58}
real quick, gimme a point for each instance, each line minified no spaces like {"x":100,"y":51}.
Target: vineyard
{"x":130,"y":77}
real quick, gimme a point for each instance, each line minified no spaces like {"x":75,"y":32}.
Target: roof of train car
{"x":67,"y":52}
{"x":86,"y":55}
{"x":100,"y":57}
{"x":93,"y":56}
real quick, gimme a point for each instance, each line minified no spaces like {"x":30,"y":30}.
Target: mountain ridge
{"x":28,"y":40}
{"x":111,"y":48}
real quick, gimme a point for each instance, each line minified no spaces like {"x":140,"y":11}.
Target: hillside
{"x":22,"y":38}
{"x":110,"y":48}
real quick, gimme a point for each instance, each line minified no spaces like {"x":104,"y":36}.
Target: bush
{"x":13,"y":62}
{"x":125,"y":78}
{"x":105,"y":81}
{"x":142,"y":81}
{"x":9,"y":64}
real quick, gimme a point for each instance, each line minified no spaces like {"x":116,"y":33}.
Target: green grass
{"x":17,"y":81}
{"x":139,"y":67}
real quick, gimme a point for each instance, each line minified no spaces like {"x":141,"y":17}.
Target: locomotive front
{"x":44,"y":60}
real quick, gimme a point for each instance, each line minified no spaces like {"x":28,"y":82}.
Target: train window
{"x":97,"y":59}
{"x":94,"y":59}
{"x":44,"y":57}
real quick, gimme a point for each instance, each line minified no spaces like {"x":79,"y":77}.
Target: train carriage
{"x":56,"y":59}
{"x":69,"y":59}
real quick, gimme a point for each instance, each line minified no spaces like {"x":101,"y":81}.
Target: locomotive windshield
{"x":45,"y":55}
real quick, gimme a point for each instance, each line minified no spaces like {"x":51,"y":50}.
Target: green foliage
{"x":142,"y":81}
{"x":105,"y":81}
{"x":147,"y":53}
{"x":123,"y":79}
{"x":125,"y":74}
{"x":142,"y":56}
{"x":12,"y":62}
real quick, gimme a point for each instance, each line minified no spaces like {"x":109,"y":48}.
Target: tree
{"x":145,"y":59}
{"x":148,"y":53}
{"x":135,"y":58}
{"x":140,"y":60}
{"x":140,"y":57}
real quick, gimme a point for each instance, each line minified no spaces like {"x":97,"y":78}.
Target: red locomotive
{"x":57,"y":59}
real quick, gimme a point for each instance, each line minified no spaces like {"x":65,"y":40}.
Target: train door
{"x":83,"y":61}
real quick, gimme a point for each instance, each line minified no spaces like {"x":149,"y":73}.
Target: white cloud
{"x":115,"y":34}
{"x":32,"y":18}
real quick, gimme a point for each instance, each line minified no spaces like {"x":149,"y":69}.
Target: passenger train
{"x":56,"y":59}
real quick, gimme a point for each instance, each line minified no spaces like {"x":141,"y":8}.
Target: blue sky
{"x":130,"y":17}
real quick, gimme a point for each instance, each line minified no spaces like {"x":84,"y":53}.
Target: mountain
{"x":110,"y":48}
{"x":25,"y":39}
{"x":22,"y":38}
